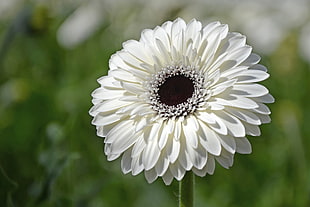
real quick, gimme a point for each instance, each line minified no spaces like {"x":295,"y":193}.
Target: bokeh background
{"x":52,"y":52}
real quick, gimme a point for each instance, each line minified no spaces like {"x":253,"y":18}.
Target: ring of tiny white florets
{"x":182,"y":109}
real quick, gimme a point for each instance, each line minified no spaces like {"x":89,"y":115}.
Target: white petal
{"x":104,"y":130}
{"x":219,"y":125}
{"x":163,"y":51}
{"x":252,"y":130}
{"x":111,"y":157}
{"x":201,"y":172}
{"x":151,"y":152}
{"x":167,"y":177}
{"x":107,"y":106}
{"x":268,"y":98}
{"x":193,"y":29}
{"x":161,"y":34}
{"x":240,"y":54}
{"x":184,"y":158}
{"x":100,"y":131}
{"x":128,"y":108}
{"x":173,"y":149}
{"x":228,"y":142}
{"x":231,"y":72}
{"x":261,"y":109}
{"x":237,"y":101}
{"x":170,"y":125}
{"x":124,"y":60}
{"x":150,"y":175}
{"x":175,"y":54}
{"x":138,"y":146}
{"x":251,"y":90}
{"x":177,"y":129}
{"x":147,"y":36}
{"x":140,"y":124}
{"x":155,"y":128}
{"x":95,"y":101}
{"x":199,"y":45}
{"x":177,"y":170}
{"x":251,"y":76}
{"x":115,"y":62}
{"x":213,"y":77}
{"x":137,"y":49}
{"x":220,"y":87}
{"x":140,"y":108}
{"x":214,"y":39}
{"x":208,"y":168}
{"x":213,"y":33}
{"x":167,"y":26}
{"x":126,"y":162}
{"x":123,"y":75}
{"x":209,"y":140}
{"x":226,"y":159}
{"x":163,"y":137}
{"x":232,"y":59}
{"x":137,"y":165}
{"x":133,"y":65}
{"x":162,"y":165}
{"x":210,"y":165}
{"x":150,"y":156}
{"x":122,"y":142}
{"x":119,"y":130}
{"x":104,"y":94}
{"x":105,"y":119}
{"x":259,"y":67}
{"x":198,"y":156}
{"x":192,"y":121}
{"x":244,"y":115}
{"x":205,"y":117}
{"x":190,"y":133}
{"x":214,"y":106}
{"x":252,"y":60}
{"x":234,"y":125}
{"x":135,"y":88}
{"x":177,"y":33}
{"x":107,"y":151}
{"x":129,"y":97}
{"x":264,"y":118}
{"x":232,"y":42}
{"x":177,"y":26}
{"x":243,"y":145}
{"x":209,"y":27}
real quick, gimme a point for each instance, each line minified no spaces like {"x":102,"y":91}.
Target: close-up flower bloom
{"x":179,"y":99}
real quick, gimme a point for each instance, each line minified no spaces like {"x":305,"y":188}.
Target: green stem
{"x":186,"y":190}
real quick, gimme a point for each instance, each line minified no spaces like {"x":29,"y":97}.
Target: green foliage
{"x":50,"y":155}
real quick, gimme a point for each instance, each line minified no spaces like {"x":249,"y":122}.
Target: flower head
{"x":180,"y":98}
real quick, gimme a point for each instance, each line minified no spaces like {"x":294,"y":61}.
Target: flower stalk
{"x":186,"y":190}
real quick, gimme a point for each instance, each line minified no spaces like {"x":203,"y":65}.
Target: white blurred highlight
{"x":80,"y":25}
{"x":266,"y":23}
{"x":304,"y":42}
{"x":8,"y":8}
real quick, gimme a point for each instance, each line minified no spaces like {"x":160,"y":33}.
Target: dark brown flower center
{"x":175,"y":90}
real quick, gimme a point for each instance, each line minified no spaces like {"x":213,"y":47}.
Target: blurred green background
{"x":52,"y":52}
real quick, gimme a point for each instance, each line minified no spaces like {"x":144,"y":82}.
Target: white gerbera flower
{"x":180,"y":98}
